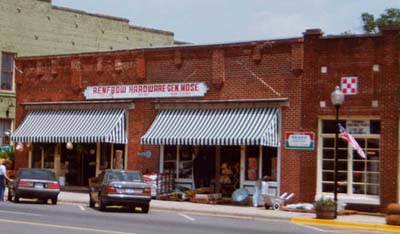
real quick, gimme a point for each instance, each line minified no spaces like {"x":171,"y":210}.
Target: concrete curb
{"x":193,"y":211}
{"x":225,"y":214}
{"x":346,"y":224}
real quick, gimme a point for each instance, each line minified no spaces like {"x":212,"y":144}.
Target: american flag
{"x":350,"y":139}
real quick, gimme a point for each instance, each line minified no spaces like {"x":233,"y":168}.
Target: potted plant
{"x":325,"y":208}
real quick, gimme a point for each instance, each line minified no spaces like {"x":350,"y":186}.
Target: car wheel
{"x":44,"y":201}
{"x":102,"y":206}
{"x":16,"y":198}
{"x":54,"y":201}
{"x":145,"y":208}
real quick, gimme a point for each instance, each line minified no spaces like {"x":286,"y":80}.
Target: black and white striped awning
{"x":76,"y":126}
{"x":251,"y":126}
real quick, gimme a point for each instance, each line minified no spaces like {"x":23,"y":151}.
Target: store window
{"x":48,"y":156}
{"x":355,"y":174}
{"x":36,"y":156}
{"x":43,"y":156}
{"x":5,"y":125}
{"x":7,"y":70}
{"x":252,"y":162}
{"x":185,"y":162}
{"x":170,"y":159}
{"x":105,"y":156}
{"x":269,"y":163}
{"x":267,"y":158}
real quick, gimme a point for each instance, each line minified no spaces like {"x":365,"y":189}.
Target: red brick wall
{"x":268,"y":69}
{"x":355,"y":56}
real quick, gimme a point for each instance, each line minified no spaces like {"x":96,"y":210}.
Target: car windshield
{"x":36,"y":174}
{"x":124,"y":176}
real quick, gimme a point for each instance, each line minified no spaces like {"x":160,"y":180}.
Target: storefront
{"x":221,"y":148}
{"x":75,"y":140}
{"x":224,"y":115}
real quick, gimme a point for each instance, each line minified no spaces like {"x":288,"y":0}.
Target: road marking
{"x":19,"y":213}
{"x":64,"y":227}
{"x":311,"y":227}
{"x":186,"y":216}
{"x":81,"y":207}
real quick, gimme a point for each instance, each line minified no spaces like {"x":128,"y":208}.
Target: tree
{"x":372,"y":25}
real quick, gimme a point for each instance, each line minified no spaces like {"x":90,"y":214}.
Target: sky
{"x":217,"y":21}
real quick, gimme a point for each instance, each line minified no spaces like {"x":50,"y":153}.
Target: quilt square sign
{"x":349,"y":85}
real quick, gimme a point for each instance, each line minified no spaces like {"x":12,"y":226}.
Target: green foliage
{"x":7,"y":155}
{"x":372,"y":25}
{"x":324,"y":202}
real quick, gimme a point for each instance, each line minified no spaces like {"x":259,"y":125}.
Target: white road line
{"x":311,"y":227}
{"x":64,"y":227}
{"x":186,"y":216}
{"x":81,"y":207}
{"x":19,"y":213}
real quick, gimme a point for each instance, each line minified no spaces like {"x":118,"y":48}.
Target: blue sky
{"x":214,"y":21}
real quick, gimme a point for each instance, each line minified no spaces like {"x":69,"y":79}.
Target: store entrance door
{"x":88,"y":167}
{"x":80,"y":163}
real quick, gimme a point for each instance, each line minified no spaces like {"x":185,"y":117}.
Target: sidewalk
{"x":349,"y":221}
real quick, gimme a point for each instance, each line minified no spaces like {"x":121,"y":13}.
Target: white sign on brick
{"x":349,"y":85}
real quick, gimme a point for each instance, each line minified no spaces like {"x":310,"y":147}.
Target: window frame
{"x":349,"y":195}
{"x":11,"y":72}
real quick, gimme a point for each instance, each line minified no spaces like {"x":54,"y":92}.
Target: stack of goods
{"x":226,"y":173}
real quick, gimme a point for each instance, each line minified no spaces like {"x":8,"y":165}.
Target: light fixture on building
{"x":7,"y":134}
{"x":69,"y":145}
{"x":337,"y":98}
{"x":20,"y":146}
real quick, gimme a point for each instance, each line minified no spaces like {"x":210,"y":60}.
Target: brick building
{"x":258,"y":109}
{"x":36,"y":27}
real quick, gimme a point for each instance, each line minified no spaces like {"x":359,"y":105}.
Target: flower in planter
{"x":324,"y":202}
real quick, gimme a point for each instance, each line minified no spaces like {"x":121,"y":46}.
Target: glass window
{"x":36,"y":156}
{"x":269,"y":163}
{"x":252,"y":162}
{"x":185,"y":162}
{"x":7,"y":68}
{"x":170,"y":159}
{"x":49,"y":156}
{"x":5,"y":125}
{"x":355,"y":174}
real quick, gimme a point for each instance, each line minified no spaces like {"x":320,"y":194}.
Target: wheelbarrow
{"x":276,"y":202}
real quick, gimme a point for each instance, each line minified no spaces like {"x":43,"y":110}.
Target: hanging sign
{"x":299,"y":140}
{"x":165,"y":90}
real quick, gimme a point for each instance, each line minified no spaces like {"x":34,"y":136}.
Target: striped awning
{"x":76,"y":126}
{"x":251,"y":126}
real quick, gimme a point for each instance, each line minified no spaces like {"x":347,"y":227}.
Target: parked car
{"x":34,"y":183}
{"x":120,"y":187}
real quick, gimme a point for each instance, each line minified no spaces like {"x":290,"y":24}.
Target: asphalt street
{"x":30,"y":217}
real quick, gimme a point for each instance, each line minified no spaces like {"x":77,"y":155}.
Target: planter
{"x":325,"y":212}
